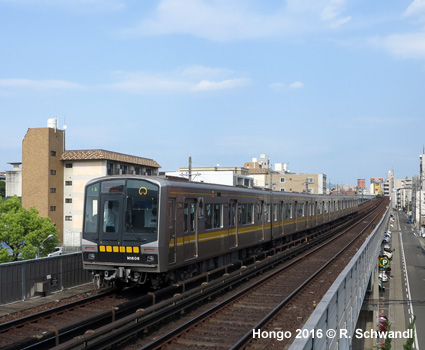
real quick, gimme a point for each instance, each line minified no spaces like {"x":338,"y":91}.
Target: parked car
{"x":388,"y":255}
{"x":387,"y":248}
{"x":386,"y":239}
{"x":56,"y":252}
{"x":383,"y":277}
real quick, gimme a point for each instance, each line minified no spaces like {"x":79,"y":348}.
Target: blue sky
{"x":328,"y":86}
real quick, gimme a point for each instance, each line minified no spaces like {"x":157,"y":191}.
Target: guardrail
{"x":23,"y":280}
{"x":333,"y":322}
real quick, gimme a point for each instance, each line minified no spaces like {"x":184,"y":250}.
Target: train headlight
{"x":91,"y":256}
{"x":150,"y":259}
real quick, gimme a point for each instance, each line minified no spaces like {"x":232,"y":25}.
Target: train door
{"x":307,"y":213}
{"x":261,"y":220}
{"x":233,"y":224}
{"x":282,"y":218}
{"x":172,"y":230}
{"x":296,"y":215}
{"x":190,"y":237}
{"x":111,"y":220}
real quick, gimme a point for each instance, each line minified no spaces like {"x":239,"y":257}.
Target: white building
{"x":230,"y":176}
{"x":14,"y":181}
{"x":80,"y":167}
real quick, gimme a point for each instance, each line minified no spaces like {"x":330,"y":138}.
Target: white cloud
{"x":39,"y":84}
{"x":205,"y":85}
{"x":221,"y":20}
{"x":285,"y":87}
{"x":331,"y":13}
{"x":194,"y":78}
{"x":408,"y":45}
{"x":416,"y":8}
{"x":296,"y":85}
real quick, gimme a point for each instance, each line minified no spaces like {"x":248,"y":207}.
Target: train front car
{"x":120,"y":230}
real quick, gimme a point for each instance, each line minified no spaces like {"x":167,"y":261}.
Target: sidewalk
{"x":396,"y":308}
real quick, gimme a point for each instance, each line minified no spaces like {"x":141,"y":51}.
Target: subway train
{"x":156,"y":231}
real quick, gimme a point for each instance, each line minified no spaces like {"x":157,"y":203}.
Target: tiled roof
{"x":97,"y":154}
{"x":255,"y":171}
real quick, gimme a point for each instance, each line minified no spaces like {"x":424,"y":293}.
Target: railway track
{"x":278,"y":302}
{"x":67,"y":324}
{"x":47,"y":328}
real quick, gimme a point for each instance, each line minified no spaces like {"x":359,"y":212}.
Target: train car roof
{"x":176,"y":181}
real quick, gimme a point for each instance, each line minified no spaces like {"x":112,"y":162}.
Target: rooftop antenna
{"x":64,"y":130}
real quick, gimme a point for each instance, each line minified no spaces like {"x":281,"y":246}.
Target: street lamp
{"x":41,"y":244}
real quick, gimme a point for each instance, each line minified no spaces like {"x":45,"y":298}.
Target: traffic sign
{"x":384,"y":262}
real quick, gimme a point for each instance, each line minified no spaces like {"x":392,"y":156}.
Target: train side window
{"x":192,"y":217}
{"x":218,"y":216}
{"x":185,"y":215}
{"x":244,"y":214}
{"x":268,"y":212}
{"x":232,"y":214}
{"x":300,"y":210}
{"x":275,"y":212}
{"x":208,"y":214}
{"x":250,"y":213}
{"x":288,"y":211}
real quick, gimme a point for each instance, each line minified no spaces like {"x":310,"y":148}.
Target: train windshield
{"x":121,"y":207}
{"x":141,"y":214}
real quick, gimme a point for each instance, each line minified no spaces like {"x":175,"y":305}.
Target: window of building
{"x":109,"y":169}
{"x":52,"y":208}
{"x":53,"y":190}
{"x":282,"y":180}
{"x":310,"y":180}
{"x":52,"y":172}
{"x":68,"y":165}
{"x":53,"y":153}
{"x":68,"y":183}
{"x":68,"y":218}
{"x":68,"y":200}
{"x":282,"y":190}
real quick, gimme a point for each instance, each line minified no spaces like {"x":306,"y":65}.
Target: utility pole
{"x":420,"y":191}
{"x":190,"y":168}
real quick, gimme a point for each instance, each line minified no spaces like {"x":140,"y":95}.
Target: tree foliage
{"x":2,"y":189}
{"x":22,"y":231}
{"x":409,"y":342}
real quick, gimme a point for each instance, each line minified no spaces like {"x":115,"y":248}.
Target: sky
{"x":327,"y":86}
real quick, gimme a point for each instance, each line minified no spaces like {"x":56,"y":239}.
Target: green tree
{"x":2,"y":189}
{"x":22,"y":231}
{"x":409,"y":343}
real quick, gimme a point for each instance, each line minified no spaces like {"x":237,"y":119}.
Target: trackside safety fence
{"x":333,"y":322}
{"x":24,"y":279}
